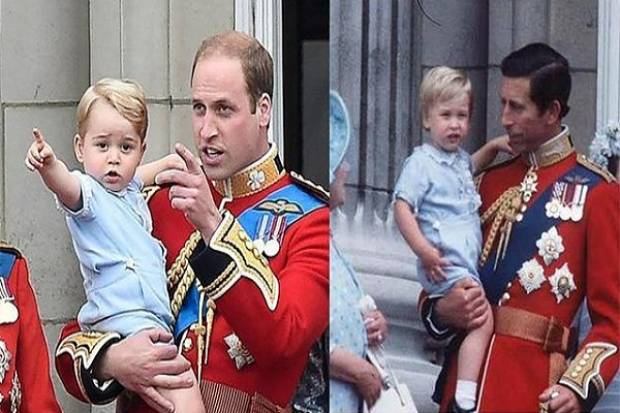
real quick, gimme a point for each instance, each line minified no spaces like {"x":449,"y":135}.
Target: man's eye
{"x":223,"y":109}
{"x":198,"y":108}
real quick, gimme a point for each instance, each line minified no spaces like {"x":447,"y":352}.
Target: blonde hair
{"x":126,"y":96}
{"x":441,"y":84}
{"x":256,"y":62}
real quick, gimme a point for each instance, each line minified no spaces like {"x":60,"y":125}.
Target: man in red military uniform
{"x":551,"y":239}
{"x":247,"y":257}
{"x":25,"y":383}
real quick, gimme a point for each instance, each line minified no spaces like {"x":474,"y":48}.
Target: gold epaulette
{"x":596,"y":168}
{"x":149,"y":191}
{"x":5,"y":247}
{"x":317,"y":190}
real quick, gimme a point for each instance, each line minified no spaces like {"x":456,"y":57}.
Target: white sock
{"x":466,"y":394}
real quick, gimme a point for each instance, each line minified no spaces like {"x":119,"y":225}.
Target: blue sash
{"x":7,"y":260}
{"x":250,"y":220}
{"x":522,"y":244}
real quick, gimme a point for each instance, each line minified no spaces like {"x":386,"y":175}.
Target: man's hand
{"x":433,"y":264}
{"x":368,"y":382}
{"x":143,"y":362}
{"x":191,"y":194}
{"x":376,"y":327}
{"x":559,"y":399}
{"x":464,"y":307}
{"x":40,"y":153}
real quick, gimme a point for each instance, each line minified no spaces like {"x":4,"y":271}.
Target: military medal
{"x":5,"y":358}
{"x":550,"y":245}
{"x":8,"y":310}
{"x":568,"y":199}
{"x":552,"y":207}
{"x":259,"y":242}
{"x":562,"y":283}
{"x":531,"y":275}
{"x":579,"y":202}
{"x":237,"y":352}
{"x":272,"y":246}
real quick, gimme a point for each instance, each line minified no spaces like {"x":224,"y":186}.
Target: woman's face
{"x":336,"y":189}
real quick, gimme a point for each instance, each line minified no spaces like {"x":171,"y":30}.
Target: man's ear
{"x":552,"y":114}
{"x":78,"y":147}
{"x":263,"y":106}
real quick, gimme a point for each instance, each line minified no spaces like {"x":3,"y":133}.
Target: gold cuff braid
{"x":585,"y":369}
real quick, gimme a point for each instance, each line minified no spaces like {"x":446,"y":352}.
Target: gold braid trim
{"x":585,"y":369}
{"x":231,"y":239}
{"x":181,"y":274}
{"x":84,"y":346}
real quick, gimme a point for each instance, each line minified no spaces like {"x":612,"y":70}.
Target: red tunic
{"x":276,"y":335}
{"x":518,"y":370}
{"x":25,"y":382}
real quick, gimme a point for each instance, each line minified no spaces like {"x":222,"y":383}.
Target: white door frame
{"x":608,"y":68}
{"x":263,"y":20}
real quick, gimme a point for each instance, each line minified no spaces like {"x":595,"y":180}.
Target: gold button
{"x":256,"y":252}
{"x":242,"y":235}
{"x":586,"y":356}
{"x":589,"y":351}
{"x":582,"y":362}
{"x":506,"y":297}
{"x":574,"y":374}
{"x":508,"y":285}
{"x":249,"y":245}
{"x":578,"y":368}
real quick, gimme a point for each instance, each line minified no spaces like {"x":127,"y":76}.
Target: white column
{"x":608,"y":70}
{"x":263,"y":20}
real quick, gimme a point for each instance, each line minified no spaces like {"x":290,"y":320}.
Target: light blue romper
{"x":123,"y":266}
{"x":439,"y":187}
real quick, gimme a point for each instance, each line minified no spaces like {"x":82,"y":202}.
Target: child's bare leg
{"x":470,"y":360}
{"x":185,"y":400}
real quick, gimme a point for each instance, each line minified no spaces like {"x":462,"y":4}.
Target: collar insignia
{"x":253,"y":178}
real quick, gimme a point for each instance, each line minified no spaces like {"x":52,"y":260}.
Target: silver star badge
{"x":562,"y":283}
{"x":550,"y":245}
{"x":5,"y":358}
{"x":237,"y":351}
{"x":531,"y":275}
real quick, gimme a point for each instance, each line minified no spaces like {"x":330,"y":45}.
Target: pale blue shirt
{"x":346,"y":327}
{"x":122,"y":265}
{"x":439,"y":187}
